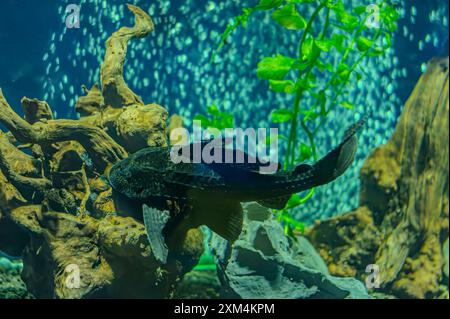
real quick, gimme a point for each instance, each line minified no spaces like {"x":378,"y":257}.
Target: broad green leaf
{"x":289,"y":18}
{"x":281,"y":116}
{"x":285,"y":86}
{"x":343,"y":72}
{"x":301,"y":66}
{"x":213,"y":110}
{"x":342,"y":67}
{"x":307,"y":48}
{"x":360,"y":10}
{"x":216,"y":119}
{"x":324,"y":67}
{"x":387,"y":40}
{"x":305,"y":153}
{"x":363,"y":44}
{"x":346,"y":20}
{"x":294,"y":201}
{"x":275,"y":68}
{"x":377,"y":51}
{"x":205,"y":122}
{"x":389,"y":17}
{"x":324,"y":45}
{"x":347,"y":105}
{"x":310,"y":81}
{"x":338,"y":41}
{"x":301,"y":1}
{"x":303,"y":83}
{"x":269,"y":4}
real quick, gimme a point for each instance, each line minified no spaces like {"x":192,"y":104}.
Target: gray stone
{"x":11,"y":285}
{"x":264,"y":263}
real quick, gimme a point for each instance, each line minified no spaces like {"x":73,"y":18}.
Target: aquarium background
{"x":41,"y":58}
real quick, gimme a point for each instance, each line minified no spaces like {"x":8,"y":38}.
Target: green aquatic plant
{"x":206,"y":262}
{"x":215,"y":118}
{"x":334,"y":43}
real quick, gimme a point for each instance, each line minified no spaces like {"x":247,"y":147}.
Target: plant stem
{"x":293,"y":132}
{"x":343,"y":85}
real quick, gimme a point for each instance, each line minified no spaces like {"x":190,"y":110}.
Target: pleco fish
{"x":212,"y":193}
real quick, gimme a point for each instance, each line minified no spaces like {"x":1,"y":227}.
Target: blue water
{"x":40,"y":57}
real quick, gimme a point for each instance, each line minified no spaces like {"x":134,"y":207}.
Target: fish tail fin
{"x":227,"y":222}
{"x":155,"y":221}
{"x":355,"y":128}
{"x":335,"y":163}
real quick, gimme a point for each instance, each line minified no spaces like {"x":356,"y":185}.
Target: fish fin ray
{"x":229,"y":223}
{"x":155,"y":221}
{"x":337,"y":161}
{"x":354,"y":129}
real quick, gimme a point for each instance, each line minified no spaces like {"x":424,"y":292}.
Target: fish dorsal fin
{"x":155,"y":221}
{"x":228,"y":221}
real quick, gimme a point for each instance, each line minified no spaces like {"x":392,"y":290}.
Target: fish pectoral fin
{"x":279,"y":202}
{"x":155,"y":220}
{"x":227,"y":221}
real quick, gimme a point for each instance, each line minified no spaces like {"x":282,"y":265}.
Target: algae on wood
{"x":403,"y":219}
{"x":55,"y":207}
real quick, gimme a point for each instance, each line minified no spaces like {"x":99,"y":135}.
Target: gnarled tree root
{"x":56,"y":208}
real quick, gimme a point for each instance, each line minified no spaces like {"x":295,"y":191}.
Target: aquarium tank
{"x":241,"y":150}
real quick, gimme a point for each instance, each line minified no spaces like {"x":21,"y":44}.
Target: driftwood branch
{"x":35,"y":110}
{"x":22,"y":182}
{"x":102,"y":149}
{"x":403,"y":218}
{"x":77,"y":218}
{"x":21,"y":170}
{"x":115,"y":90}
{"x":421,"y":141}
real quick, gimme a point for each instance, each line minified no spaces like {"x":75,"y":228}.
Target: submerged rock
{"x":264,"y":263}
{"x":199,"y":284}
{"x":11,"y":285}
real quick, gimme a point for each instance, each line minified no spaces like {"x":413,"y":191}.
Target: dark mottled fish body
{"x":215,"y":190}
